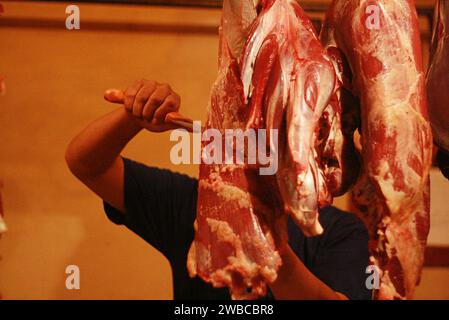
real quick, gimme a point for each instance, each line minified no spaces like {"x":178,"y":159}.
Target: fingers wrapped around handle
{"x":118,"y":97}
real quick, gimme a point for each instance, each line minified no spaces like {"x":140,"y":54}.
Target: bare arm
{"x":296,"y":282}
{"x":93,"y":156}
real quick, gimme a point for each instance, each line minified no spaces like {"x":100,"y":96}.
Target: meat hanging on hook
{"x":380,"y":39}
{"x":273,"y":75}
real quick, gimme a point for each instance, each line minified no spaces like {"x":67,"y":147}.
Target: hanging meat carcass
{"x":438,"y":84}
{"x":235,"y":243}
{"x":380,"y":39}
{"x":287,"y":76}
{"x":281,"y":80}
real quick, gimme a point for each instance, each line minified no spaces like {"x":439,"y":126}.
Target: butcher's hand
{"x":93,"y":155}
{"x":295,"y":281}
{"x":149,"y":102}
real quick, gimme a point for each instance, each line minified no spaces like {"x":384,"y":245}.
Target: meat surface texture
{"x":234,"y":243}
{"x":273,"y":75}
{"x":438,"y":84}
{"x":380,"y":41}
{"x":288,"y":80}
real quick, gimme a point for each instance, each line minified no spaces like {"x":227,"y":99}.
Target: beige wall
{"x":55,"y":81}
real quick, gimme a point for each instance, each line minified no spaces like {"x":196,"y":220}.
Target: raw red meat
{"x":287,"y":76}
{"x":280,"y":79}
{"x":438,"y":84}
{"x":234,"y":244}
{"x":380,"y":40}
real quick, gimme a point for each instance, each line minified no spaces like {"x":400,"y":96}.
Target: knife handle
{"x":118,"y":97}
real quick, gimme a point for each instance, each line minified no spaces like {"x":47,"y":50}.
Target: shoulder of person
{"x":134,"y":167}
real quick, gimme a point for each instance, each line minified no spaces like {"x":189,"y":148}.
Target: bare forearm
{"x":95,"y":148}
{"x":296,"y":282}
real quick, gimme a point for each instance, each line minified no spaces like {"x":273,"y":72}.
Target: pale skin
{"x":94,"y":158}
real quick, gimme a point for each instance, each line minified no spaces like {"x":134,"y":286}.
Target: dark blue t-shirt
{"x":161,"y":208}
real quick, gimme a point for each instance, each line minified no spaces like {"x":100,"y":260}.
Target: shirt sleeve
{"x":160,"y":207}
{"x":342,"y":256}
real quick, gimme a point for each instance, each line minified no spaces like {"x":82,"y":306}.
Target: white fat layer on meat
{"x":239,"y":261}
{"x":405,"y":148}
{"x":272,"y":110}
{"x":226,"y":191}
{"x":266,"y":25}
{"x":224,"y":232}
{"x":394,"y":198}
{"x":236,"y":195}
{"x":231,"y":168}
{"x":269,"y":273}
{"x":230,"y":117}
{"x":237,"y":18}
{"x":377,"y":47}
{"x":387,"y":289}
{"x":199,"y":259}
{"x":222,"y":276}
{"x":302,"y":118}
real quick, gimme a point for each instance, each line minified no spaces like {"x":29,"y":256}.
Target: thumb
{"x":114,"y":96}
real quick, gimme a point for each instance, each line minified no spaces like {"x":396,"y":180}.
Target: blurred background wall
{"x":55,"y":81}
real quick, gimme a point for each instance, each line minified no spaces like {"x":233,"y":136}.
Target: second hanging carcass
{"x":377,"y":45}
